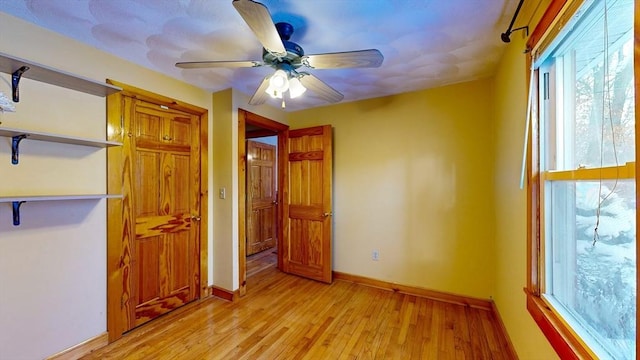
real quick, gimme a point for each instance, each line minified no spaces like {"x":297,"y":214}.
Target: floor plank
{"x":261,"y":261}
{"x":288,"y":317}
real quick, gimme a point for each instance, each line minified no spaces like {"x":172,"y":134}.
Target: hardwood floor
{"x":261,"y":261}
{"x":288,"y":317}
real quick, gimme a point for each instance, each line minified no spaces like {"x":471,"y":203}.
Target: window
{"x":586,"y":203}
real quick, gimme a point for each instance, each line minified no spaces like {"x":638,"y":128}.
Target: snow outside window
{"x":588,"y":193}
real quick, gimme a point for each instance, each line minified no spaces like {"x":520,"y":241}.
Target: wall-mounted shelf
{"x":18,"y":135}
{"x":19,"y":68}
{"x":17,"y":201}
{"x":23,"y":68}
{"x":4,"y":199}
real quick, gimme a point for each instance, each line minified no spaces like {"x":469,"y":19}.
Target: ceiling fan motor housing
{"x":294,"y":51}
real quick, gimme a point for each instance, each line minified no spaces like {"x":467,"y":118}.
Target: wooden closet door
{"x":165,"y":251}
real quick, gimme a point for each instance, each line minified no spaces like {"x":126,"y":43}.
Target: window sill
{"x":560,"y":336}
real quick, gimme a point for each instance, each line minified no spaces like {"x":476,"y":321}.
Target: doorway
{"x":253,"y":126}
{"x":261,"y":192}
{"x":304,"y":197}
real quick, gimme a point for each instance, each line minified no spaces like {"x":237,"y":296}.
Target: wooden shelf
{"x":19,"y":68}
{"x":17,"y":135}
{"x":64,"y":139}
{"x":17,"y":201}
{"x":10,"y":64}
{"x":7,"y":199}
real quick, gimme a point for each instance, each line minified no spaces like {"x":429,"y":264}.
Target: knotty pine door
{"x":261,"y":197}
{"x":308,"y":204}
{"x":165,"y":150}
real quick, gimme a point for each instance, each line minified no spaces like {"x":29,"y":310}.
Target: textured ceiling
{"x":425,"y":43}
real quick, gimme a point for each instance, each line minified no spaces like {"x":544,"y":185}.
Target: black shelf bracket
{"x":16,"y":212}
{"x":15,"y":81}
{"x":15,"y":145}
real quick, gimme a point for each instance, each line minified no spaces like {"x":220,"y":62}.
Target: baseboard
{"x":224,"y":293}
{"x":478,"y":303}
{"x":82,"y":349}
{"x":510,"y":348}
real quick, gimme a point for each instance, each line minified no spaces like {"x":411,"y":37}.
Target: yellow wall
{"x":510,"y":203}
{"x":413,"y":178}
{"x":428,"y":178}
{"x":222,"y":255}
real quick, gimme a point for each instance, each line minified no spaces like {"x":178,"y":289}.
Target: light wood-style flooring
{"x":288,"y":317}
{"x":261,"y":261}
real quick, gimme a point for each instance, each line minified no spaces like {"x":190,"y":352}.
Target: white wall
{"x":53,"y":266}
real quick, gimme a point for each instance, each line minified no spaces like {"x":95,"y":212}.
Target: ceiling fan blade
{"x":320,"y":88}
{"x":258,"y":18}
{"x":212,"y":64}
{"x":260,"y":96}
{"x":370,"y":58}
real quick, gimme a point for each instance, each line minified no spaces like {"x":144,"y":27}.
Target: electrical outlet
{"x":375,"y":255}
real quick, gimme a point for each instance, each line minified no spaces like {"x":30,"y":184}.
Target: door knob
{"x":327,"y":214}
{"x":195,"y":218}
{"x":167,"y":137}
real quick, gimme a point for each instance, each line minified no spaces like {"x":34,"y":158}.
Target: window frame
{"x":564,"y":340}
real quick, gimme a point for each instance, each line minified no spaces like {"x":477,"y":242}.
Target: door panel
{"x":180,"y":186}
{"x":261,"y":197}
{"x":166,"y":188}
{"x":308,"y":224}
{"x":148,"y":168}
{"x":180,"y":131}
{"x":148,"y":128}
{"x":148,"y":253}
{"x":179,"y":250}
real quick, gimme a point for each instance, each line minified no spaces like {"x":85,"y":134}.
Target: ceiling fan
{"x":287,"y":58}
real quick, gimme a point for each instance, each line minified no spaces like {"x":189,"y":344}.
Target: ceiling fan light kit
{"x":296,"y":88}
{"x":286,"y":57}
{"x":278,"y":84}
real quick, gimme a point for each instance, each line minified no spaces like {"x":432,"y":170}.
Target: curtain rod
{"x":506,"y":36}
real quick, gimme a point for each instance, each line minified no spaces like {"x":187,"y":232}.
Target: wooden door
{"x":261,"y":197}
{"x":307,"y":208}
{"x":165,"y":150}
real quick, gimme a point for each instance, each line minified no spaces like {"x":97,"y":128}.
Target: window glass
{"x":595,"y":283}
{"x":594,"y":112}
{"x":588,"y":197}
